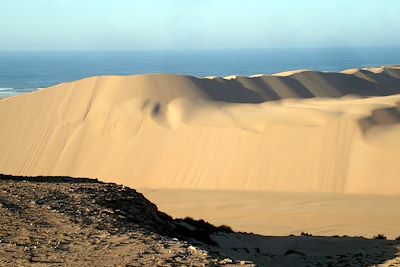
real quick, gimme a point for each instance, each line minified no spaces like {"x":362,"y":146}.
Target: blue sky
{"x":196,"y":24}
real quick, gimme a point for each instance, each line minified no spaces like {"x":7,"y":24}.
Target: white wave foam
{"x":6,"y":88}
{"x":10,"y":93}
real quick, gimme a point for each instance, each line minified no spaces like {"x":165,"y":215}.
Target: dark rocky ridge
{"x":67,"y":221}
{"x":63,"y":221}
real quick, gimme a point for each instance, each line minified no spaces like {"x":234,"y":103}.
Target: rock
{"x":192,"y":248}
{"x":88,"y":223}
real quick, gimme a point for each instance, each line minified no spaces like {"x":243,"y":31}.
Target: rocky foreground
{"x":63,"y":221}
{"x":60,"y":221}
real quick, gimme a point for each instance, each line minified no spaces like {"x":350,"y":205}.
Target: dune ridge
{"x":296,"y":131}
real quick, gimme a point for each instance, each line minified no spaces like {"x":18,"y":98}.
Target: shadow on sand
{"x":306,"y":250}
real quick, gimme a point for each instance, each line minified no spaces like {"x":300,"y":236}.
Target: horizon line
{"x":199,"y":49}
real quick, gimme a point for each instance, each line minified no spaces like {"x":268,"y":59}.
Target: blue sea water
{"x":22,"y":72}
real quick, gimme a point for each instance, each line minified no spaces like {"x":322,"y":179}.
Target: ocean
{"x":26,"y":71}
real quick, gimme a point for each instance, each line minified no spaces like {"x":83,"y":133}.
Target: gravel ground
{"x":84,"y":222}
{"x":60,"y":221}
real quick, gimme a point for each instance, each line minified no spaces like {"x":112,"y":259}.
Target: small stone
{"x":192,"y":248}
{"x":226,"y":261}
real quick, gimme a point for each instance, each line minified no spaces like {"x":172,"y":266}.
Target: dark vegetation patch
{"x":200,"y":229}
{"x":379,"y":236}
{"x":305,"y":234}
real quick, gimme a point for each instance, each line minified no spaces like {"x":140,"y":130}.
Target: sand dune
{"x":299,"y":131}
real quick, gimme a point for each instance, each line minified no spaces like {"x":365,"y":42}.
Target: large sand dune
{"x":299,"y":131}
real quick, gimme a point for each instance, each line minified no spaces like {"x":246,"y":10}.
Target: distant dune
{"x":297,"y":131}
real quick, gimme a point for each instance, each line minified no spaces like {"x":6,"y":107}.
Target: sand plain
{"x":285,"y":213}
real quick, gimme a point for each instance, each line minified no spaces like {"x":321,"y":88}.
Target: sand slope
{"x":299,"y":131}
{"x":285,"y":213}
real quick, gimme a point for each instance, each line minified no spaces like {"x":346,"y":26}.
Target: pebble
{"x":192,"y":248}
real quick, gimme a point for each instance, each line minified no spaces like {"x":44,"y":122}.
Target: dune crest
{"x":300,"y":131}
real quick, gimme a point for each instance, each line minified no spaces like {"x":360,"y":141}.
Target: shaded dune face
{"x":297,"y":131}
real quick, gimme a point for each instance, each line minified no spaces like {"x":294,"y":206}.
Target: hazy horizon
{"x":196,"y":25}
{"x":203,"y":49}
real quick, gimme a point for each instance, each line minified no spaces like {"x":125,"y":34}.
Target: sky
{"x":196,"y":24}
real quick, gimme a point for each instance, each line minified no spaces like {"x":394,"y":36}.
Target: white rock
{"x":192,"y":248}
